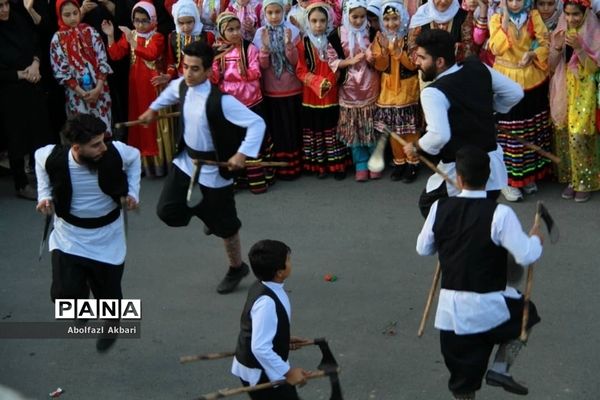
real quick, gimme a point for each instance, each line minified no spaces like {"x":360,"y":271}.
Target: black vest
{"x":226,"y":136}
{"x":111,"y":179}
{"x":471,"y":113}
{"x":281,"y":341}
{"x":457,"y":23}
{"x":470,"y":261}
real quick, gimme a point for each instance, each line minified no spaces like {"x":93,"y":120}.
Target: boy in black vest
{"x":472,"y":235}
{"x":82,"y":184}
{"x":264,"y":342}
{"x":216,"y":127}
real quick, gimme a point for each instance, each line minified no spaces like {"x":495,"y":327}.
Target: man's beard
{"x":428,"y":74}
{"x":89,"y":162}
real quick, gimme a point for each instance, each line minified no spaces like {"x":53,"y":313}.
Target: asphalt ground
{"x":364,"y":234}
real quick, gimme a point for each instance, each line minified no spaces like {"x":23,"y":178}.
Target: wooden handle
{"x":227,"y":354}
{"x":529,"y":285}
{"x":219,"y":394}
{"x":430,"y":297}
{"x":425,"y":160}
{"x":248,"y":162}
{"x":555,"y":159}
{"x":127,"y":124}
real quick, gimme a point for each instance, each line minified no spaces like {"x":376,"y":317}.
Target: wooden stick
{"x":248,"y":163}
{"x":219,"y":394}
{"x":528,"y":289}
{"x":424,"y":159}
{"x":430,"y":297}
{"x":127,"y":124}
{"x":555,"y":159}
{"x":226,"y":354}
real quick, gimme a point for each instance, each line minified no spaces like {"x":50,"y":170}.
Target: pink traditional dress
{"x":78,"y":58}
{"x":236,"y":70}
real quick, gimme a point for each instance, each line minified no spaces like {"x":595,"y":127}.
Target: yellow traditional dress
{"x":575,"y":119}
{"x":530,"y":118}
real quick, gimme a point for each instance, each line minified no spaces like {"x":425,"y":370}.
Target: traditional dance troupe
{"x":483,"y":88}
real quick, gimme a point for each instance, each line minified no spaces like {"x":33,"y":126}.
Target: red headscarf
{"x":75,"y":42}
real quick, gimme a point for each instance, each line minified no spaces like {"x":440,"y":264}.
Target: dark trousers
{"x":427,"y":199}
{"x":467,"y":356}
{"x":216,"y":209}
{"x":74,"y":276}
{"x":281,"y":392}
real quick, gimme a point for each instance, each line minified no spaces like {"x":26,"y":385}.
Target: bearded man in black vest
{"x":216,"y":127}
{"x":82,"y":184}
{"x":459,"y":108}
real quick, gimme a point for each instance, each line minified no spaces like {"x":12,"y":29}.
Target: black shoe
{"x":507,"y":382}
{"x":411,"y":173}
{"x":233,"y":278}
{"x":398,"y":172}
{"x":339,"y":176}
{"x":103,"y":345}
{"x":321,"y":175}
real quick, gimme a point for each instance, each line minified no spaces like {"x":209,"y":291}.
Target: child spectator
{"x":145,"y":46}
{"x":398,"y":104}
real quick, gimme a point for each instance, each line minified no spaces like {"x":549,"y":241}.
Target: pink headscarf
{"x":149,"y":8}
{"x":589,"y":37}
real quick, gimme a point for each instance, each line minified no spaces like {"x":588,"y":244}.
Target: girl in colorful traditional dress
{"x":398,"y":104}
{"x":575,"y":59}
{"x":188,"y":29}
{"x":248,"y":12}
{"x":281,"y":88}
{"x":79,"y":63}
{"x":512,"y":34}
{"x":323,"y":152}
{"x":144,"y":46}
{"x":350,"y":57}
{"x":236,"y":70}
{"x":447,"y":15}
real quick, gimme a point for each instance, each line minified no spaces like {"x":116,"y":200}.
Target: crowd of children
{"x":329,"y":77}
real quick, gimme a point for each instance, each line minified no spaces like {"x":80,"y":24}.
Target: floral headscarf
{"x":319,"y":42}
{"x":79,"y":51}
{"x":151,"y":11}
{"x":399,"y":8}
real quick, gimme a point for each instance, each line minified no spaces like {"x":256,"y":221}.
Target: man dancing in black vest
{"x":459,"y":109}
{"x":476,"y":309}
{"x":213,"y":126}
{"x":82,"y":185}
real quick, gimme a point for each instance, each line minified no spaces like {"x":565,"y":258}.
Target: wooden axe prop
{"x":376,"y":162}
{"x":136,"y":122}
{"x":541,"y":214}
{"x":327,"y":367}
{"x":227,"y":354}
{"x":555,"y":159}
{"x":198,"y":164}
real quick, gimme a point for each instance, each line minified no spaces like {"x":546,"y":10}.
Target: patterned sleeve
{"x":103,"y":67}
{"x":60,"y":64}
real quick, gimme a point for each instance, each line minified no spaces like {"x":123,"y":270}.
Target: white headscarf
{"x":427,"y":13}
{"x":187,"y":8}
{"x":397,"y":5}
{"x":355,"y":35}
{"x":320,"y":41}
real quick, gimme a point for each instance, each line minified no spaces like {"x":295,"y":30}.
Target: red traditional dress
{"x":322,"y":152}
{"x":143,"y":67}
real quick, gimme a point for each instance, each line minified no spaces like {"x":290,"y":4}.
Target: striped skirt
{"x":322,"y":151}
{"x":530,"y":121}
{"x":355,"y":126}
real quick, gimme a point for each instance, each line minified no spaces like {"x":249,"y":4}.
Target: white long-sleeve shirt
{"x":107,"y":243}
{"x":507,"y":94}
{"x":264,"y":328}
{"x":470,"y":312}
{"x":197,"y":132}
